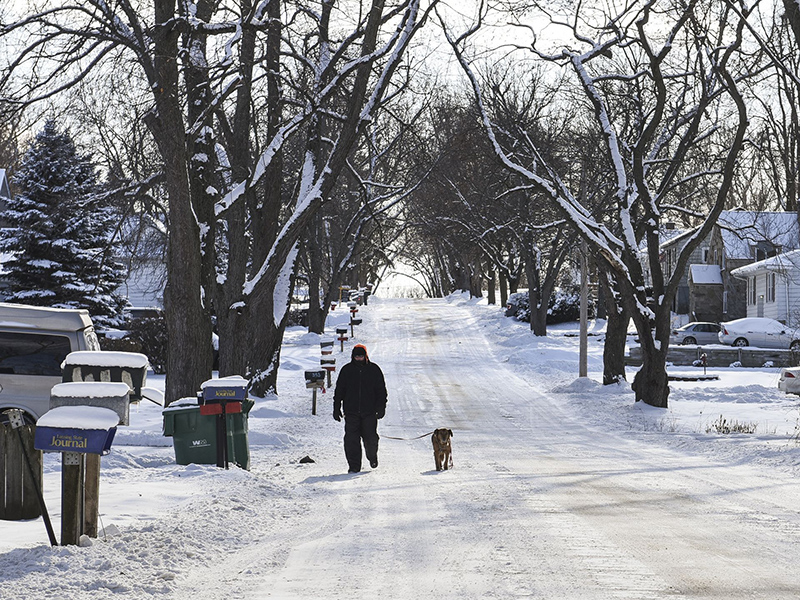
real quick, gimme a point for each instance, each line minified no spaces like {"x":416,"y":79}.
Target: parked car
{"x":760,"y":332}
{"x":696,"y":333}
{"x":34,"y":342}
{"x":789,"y":380}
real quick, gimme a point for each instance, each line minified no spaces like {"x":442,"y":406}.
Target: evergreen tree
{"x":59,"y":233}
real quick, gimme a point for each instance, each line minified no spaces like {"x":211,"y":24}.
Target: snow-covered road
{"x":537,"y":504}
{"x":544,"y":501}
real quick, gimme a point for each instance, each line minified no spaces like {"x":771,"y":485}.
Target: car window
{"x":32,"y":353}
{"x":701,"y":328}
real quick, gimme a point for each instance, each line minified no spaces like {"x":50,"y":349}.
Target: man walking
{"x":361,"y":392}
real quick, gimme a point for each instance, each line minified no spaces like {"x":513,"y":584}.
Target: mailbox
{"x":355,"y":321}
{"x":110,"y":395}
{"x":77,"y":429}
{"x":326,"y":362}
{"x":315,"y":379}
{"x":341,"y":332}
{"x":96,"y":366}
{"x":223,"y":395}
{"x":326,"y":346}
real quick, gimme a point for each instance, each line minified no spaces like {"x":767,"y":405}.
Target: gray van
{"x":34,"y":342}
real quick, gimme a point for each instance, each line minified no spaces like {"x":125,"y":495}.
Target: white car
{"x":759,"y":332}
{"x":789,"y":381}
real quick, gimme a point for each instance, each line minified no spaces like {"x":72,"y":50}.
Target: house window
{"x":725,"y":302}
{"x":764,"y":250}
{"x":751,"y":288}
{"x":771,"y":285}
{"x":706,"y":252}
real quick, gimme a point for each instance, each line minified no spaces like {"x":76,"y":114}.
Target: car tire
{"x":795,"y":346}
{"x":740,"y":342}
{"x":689,"y":341}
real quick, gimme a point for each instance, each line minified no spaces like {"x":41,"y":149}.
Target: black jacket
{"x":360,"y":390}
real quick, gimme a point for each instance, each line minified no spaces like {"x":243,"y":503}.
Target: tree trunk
{"x":650,"y":383}
{"x":491,"y":292}
{"x":618,"y":318}
{"x":232,"y":324}
{"x":189,"y":355}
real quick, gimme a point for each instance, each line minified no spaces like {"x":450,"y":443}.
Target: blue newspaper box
{"x":80,"y":429}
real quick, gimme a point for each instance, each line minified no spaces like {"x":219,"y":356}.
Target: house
{"x":144,"y":287}
{"x":669,"y":250}
{"x":773,"y":287}
{"x":705,"y":292}
{"x":741,"y":238}
{"x":738,"y":238}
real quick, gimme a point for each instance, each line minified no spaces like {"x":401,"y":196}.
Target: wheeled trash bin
{"x":194,"y":435}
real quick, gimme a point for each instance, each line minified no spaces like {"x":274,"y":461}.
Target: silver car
{"x":695,"y":333}
{"x":760,"y":332}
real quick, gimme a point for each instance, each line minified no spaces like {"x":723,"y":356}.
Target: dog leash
{"x":389,"y":437}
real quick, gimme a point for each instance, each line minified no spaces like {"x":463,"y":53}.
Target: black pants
{"x":357,"y":428}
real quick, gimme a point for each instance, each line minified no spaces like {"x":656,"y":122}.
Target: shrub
{"x":123,"y":344}
{"x":564,"y":306}
{"x":722,"y":425}
{"x":150,"y":333}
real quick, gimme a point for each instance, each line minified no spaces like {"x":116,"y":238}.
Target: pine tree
{"x":59,"y":232}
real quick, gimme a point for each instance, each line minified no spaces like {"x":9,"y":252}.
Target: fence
{"x":18,"y":498}
{"x":717,"y":356}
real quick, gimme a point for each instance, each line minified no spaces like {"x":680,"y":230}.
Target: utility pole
{"x":584,"y":344}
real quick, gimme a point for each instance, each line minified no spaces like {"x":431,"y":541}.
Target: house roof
{"x":741,"y":230}
{"x":705,"y":274}
{"x":781,"y":263}
{"x":671,"y":237}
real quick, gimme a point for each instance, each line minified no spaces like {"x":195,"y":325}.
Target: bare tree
{"x":233,"y":89}
{"x":675,"y":64}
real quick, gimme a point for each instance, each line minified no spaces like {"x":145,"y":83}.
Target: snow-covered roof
{"x":666,"y":235}
{"x":743,"y":229}
{"x":780,"y":263}
{"x":705,"y":274}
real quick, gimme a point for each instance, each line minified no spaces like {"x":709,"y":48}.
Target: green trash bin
{"x":194,"y":436}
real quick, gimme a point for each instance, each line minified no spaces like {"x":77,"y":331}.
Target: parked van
{"x":34,"y":342}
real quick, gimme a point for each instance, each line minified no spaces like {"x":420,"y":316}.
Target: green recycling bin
{"x":194,"y":436}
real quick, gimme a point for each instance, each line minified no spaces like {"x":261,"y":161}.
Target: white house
{"x":773,"y":287}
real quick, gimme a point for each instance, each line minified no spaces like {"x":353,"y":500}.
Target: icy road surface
{"x":541,"y":502}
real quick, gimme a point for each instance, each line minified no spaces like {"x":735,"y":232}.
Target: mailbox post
{"x":79,"y":433}
{"x":315,"y":380}
{"x":329,"y":364}
{"x":341,"y":332}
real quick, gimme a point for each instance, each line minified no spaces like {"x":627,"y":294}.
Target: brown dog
{"x":442,"y":449}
